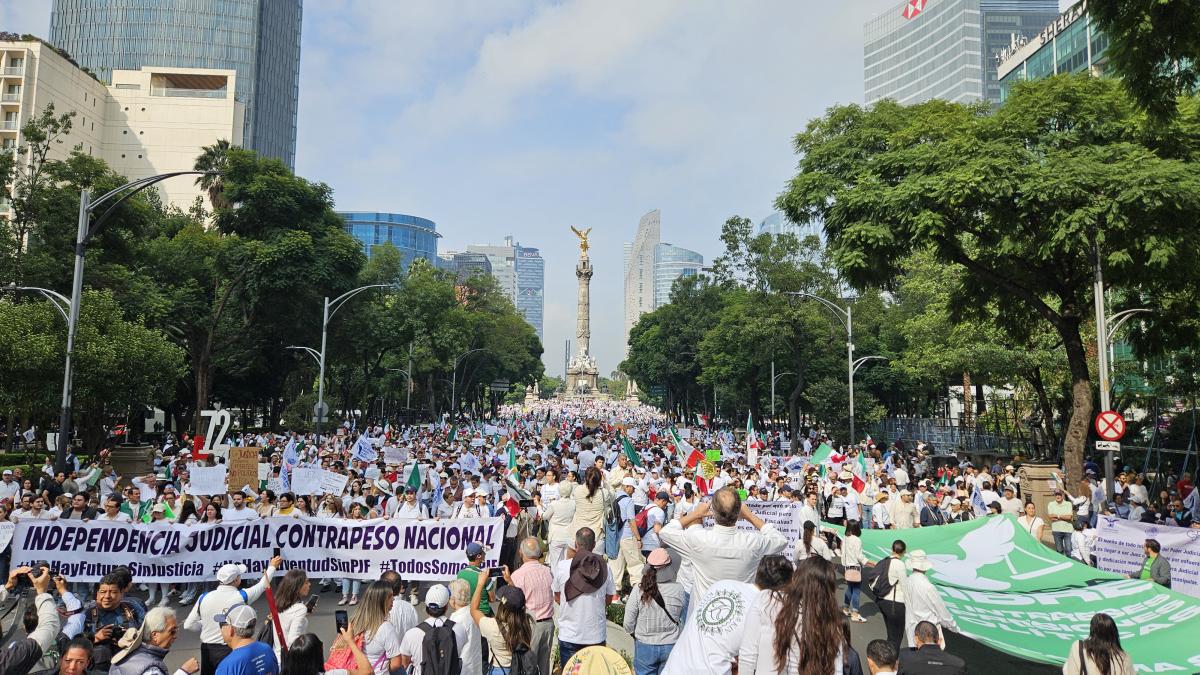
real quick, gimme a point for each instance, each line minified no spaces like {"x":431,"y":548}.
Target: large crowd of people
{"x":614,"y":509}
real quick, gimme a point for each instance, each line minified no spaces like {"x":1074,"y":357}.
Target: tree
{"x":1154,"y":46}
{"x":1021,"y":199}
{"x":26,"y":176}
{"x":214,"y":157}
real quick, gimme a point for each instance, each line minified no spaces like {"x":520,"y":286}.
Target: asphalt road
{"x":981,"y":660}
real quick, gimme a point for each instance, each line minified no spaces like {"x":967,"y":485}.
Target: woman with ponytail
{"x":654,"y":614}
{"x":796,"y":629}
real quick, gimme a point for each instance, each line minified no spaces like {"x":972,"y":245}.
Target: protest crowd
{"x":600,"y":503}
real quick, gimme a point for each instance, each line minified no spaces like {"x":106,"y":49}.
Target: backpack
{"x":642,"y":522}
{"x":876,"y":579}
{"x":614,"y":518}
{"x":343,"y":657}
{"x":524,"y":662}
{"x":439,"y":650}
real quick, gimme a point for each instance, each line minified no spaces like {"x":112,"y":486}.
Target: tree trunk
{"x":968,"y":404}
{"x":1081,"y":399}
{"x":203,"y":382}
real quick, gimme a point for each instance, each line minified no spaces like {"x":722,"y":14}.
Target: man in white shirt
{"x":809,"y":512}
{"x":460,"y":603}
{"x":1009,"y":503}
{"x":906,"y":516}
{"x":9,"y":488}
{"x":881,"y":515}
{"x":583,"y":588}
{"x":238,"y":512}
{"x":921,"y":600}
{"x":112,"y":511}
{"x":410,"y":508}
{"x":229,"y":593}
{"x":850,"y":504}
{"x":723,"y":551}
{"x":468,"y":509}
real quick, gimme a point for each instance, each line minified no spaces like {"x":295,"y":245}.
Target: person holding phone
{"x":292,"y":598}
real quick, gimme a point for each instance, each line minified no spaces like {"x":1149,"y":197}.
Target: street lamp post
{"x":454,"y":380}
{"x":330,"y":308}
{"x":109,"y":201}
{"x":846,"y":316}
{"x":774,"y":379}
{"x":60,"y":301}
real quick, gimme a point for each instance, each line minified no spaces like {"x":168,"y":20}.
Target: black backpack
{"x":439,"y":650}
{"x":876,"y":579}
{"x":524,"y":662}
{"x":614,"y":518}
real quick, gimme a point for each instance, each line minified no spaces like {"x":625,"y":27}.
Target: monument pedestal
{"x":582,"y":377}
{"x":1037,"y":486}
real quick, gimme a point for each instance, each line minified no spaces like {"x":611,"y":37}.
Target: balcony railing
{"x":11,"y":98}
{"x":19,"y":70}
{"x":10,"y":125}
{"x":188,"y":93}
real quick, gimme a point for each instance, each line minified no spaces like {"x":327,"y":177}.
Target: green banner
{"x":713,"y":455}
{"x":1013,"y":593}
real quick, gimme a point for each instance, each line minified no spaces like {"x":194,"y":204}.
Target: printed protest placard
{"x":206,"y":480}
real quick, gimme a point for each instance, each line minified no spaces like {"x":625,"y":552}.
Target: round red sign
{"x":1110,"y":426}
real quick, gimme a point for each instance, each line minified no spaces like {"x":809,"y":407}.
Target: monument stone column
{"x":582,"y":373}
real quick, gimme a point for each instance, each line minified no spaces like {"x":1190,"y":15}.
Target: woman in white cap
{"x":922,"y":602}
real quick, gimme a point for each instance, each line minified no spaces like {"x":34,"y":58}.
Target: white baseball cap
{"x":231,"y":572}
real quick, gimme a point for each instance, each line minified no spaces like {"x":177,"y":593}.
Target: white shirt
{"x":232,"y":515}
{"x":119,"y":518}
{"x":654,"y":516}
{"x":414,"y":511}
{"x":9,"y":490}
{"x":582,"y":620}
{"x":402,"y":616}
{"x":216,"y":601}
{"x":471,"y":651}
{"x":294,"y":622}
{"x":757,"y":652}
{"x":710,"y":646}
{"x":721,"y":552}
{"x":383,"y":646}
{"x":922,"y":603}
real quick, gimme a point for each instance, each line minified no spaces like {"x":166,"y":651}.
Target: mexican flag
{"x":858,"y":481}
{"x":753,"y":442}
{"x":414,"y":477}
{"x":688,"y":456}
{"x":511,"y":449}
{"x":453,"y":434}
{"x":702,"y":419}
{"x":629,"y":451}
{"x":822,"y":454}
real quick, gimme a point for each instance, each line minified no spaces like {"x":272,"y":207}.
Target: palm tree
{"x":215,"y":157}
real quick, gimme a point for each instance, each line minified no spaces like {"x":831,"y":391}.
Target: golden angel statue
{"x":583,"y":239}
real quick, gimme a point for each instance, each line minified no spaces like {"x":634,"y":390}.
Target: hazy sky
{"x":523,"y":117}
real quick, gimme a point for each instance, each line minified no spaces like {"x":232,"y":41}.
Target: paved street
{"x":981,"y":660}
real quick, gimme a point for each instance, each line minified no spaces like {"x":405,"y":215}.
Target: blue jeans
{"x":498,"y":670}
{"x":867,"y":522}
{"x":1062,"y":543}
{"x":351,"y":587}
{"x":649,"y":659}
{"x":853,"y":597}
{"x":683,"y":611}
{"x":567,"y":649}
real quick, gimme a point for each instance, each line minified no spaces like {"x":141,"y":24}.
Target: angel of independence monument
{"x":582,"y":372}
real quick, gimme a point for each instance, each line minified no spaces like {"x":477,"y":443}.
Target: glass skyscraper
{"x":945,"y":49}
{"x":415,"y":237}
{"x":1069,"y":44}
{"x":519,"y":271}
{"x":260,"y":39}
{"x":670,"y":263}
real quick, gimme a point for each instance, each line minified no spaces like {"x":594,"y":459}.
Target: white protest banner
{"x":324,"y":548}
{"x":1119,"y":549}
{"x":397,"y":456}
{"x":206,"y":480}
{"x":333,"y":483}
{"x":6,"y":534}
{"x":306,"y":480}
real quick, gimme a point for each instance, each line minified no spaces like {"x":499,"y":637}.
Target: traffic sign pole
{"x":1110,"y":427}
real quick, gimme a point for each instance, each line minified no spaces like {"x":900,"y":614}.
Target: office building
{"x":464,"y":264}
{"x":258,"y":39}
{"x":777,"y":224}
{"x":946,"y":49}
{"x":145,"y":122}
{"x":519,"y":271}
{"x":670,"y":263}
{"x":639,"y":270}
{"x":414,"y":236}
{"x":1069,"y":44}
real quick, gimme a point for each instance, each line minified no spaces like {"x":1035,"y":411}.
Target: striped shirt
{"x":648,"y":623}
{"x":535,"y":579}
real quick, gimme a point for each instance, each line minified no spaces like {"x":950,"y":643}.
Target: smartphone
{"x":341,"y":620}
{"x":275,"y":552}
{"x":312,"y":601}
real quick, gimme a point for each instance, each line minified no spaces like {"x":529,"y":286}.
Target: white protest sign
{"x":306,"y":480}
{"x":395,"y":456}
{"x":6,"y":534}
{"x":323,"y":548}
{"x":206,"y":480}
{"x":685,"y":433}
{"x":275,"y":484}
{"x":784,"y":515}
{"x":1119,"y":545}
{"x":264,"y":471}
{"x":333,"y":483}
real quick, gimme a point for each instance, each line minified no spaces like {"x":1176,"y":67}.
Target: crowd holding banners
{"x":473,"y":490}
